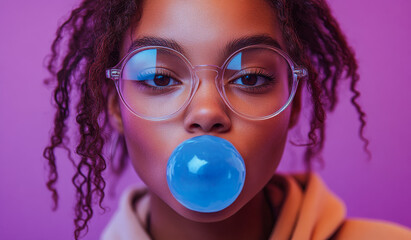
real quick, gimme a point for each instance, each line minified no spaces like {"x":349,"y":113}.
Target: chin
{"x":209,"y":217}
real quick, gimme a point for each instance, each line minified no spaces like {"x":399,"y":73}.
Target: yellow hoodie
{"x":308,"y":211}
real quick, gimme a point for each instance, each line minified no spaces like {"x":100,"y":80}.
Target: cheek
{"x":262,"y":148}
{"x":149,"y":146}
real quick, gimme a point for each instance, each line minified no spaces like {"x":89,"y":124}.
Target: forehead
{"x":203,"y":27}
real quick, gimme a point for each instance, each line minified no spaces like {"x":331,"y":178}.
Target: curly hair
{"x":91,"y":38}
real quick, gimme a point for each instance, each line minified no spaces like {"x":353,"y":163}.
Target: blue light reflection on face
{"x":143,"y":60}
{"x":235,"y":63}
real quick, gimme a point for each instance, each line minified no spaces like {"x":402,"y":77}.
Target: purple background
{"x":379,"y":31}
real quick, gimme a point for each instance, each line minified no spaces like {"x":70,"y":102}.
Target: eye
{"x":251,"y":80}
{"x":156,"y":81}
{"x":159,"y":80}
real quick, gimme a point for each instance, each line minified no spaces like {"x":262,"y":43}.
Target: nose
{"x":207,"y":111}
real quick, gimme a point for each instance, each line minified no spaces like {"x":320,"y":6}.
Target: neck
{"x":253,"y":221}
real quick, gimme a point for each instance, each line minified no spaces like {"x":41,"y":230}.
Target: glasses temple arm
{"x":301,"y":72}
{"x":113,"y":74}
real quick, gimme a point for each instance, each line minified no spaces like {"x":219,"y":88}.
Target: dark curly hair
{"x":91,"y":38}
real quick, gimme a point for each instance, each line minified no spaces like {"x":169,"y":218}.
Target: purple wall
{"x":378,"y":30}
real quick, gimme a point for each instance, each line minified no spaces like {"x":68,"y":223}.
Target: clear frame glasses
{"x":157,"y":83}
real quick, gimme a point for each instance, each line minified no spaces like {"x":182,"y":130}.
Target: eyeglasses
{"x":256,"y":82}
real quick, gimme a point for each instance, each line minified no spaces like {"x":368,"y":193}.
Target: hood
{"x":309,"y":210}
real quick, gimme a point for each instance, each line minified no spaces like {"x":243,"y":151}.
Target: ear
{"x":295,"y":108}
{"x":114,"y":113}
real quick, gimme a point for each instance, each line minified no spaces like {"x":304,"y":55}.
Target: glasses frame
{"x":298,"y":73}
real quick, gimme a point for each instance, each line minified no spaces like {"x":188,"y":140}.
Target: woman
{"x":182,"y":69}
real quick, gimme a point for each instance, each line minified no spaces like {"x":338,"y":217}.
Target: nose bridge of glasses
{"x":207,"y":73}
{"x":207,"y":76}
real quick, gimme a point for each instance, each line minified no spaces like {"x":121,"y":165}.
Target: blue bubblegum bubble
{"x":205,"y":173}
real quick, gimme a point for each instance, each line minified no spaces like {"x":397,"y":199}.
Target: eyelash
{"x":270,"y":80}
{"x":156,"y":89}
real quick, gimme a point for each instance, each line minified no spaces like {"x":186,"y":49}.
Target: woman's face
{"x":203,"y":29}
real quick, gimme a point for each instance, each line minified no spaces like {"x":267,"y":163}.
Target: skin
{"x":150,"y":143}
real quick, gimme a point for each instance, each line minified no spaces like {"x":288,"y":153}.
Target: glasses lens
{"x":155,"y":82}
{"x":257,"y":82}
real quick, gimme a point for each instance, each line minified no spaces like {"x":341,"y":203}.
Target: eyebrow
{"x":239,"y":43}
{"x":230,"y":47}
{"x":155,"y":41}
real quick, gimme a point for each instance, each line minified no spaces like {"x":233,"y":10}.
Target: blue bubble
{"x":205,"y":173}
